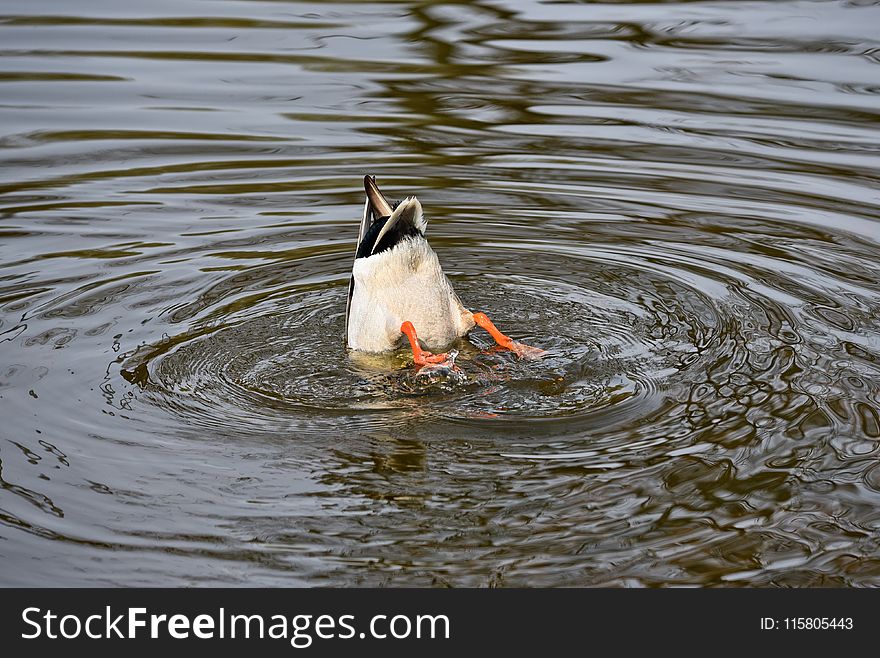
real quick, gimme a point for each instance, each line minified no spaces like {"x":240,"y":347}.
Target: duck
{"x":398,"y":289}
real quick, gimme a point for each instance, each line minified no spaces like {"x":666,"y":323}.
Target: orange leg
{"x":421,"y":357}
{"x":521,"y":350}
{"x":483,"y":321}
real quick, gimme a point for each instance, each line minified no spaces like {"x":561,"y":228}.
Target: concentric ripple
{"x":678,"y":201}
{"x":609,"y":342}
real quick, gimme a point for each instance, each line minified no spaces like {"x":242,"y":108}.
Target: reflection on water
{"x":678,"y":200}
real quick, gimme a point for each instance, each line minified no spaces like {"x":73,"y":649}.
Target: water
{"x":678,"y":200}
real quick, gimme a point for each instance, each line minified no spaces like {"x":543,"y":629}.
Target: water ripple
{"x":677,"y":200}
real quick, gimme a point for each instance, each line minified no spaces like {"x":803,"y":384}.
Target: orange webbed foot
{"x":522,"y":350}
{"x":420,"y":356}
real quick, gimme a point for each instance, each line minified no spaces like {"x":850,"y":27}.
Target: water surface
{"x":679,"y":201}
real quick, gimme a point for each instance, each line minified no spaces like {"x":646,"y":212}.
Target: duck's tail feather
{"x":407,"y":220}
{"x":378,"y":203}
{"x":365,"y":226}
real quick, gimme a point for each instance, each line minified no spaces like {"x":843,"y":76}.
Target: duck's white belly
{"x":405,"y":283}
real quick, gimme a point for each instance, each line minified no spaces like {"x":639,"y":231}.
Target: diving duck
{"x":398,"y":288}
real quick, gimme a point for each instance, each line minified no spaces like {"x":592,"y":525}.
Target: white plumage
{"x":404,"y":283}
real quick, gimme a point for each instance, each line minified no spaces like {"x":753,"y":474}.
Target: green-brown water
{"x":679,"y":200}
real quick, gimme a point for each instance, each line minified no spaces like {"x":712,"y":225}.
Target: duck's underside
{"x":398,"y":288}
